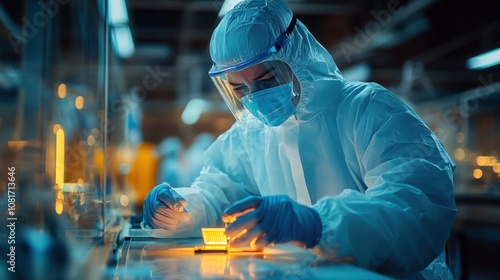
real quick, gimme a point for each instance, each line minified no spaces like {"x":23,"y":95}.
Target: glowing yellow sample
{"x":214,"y":236}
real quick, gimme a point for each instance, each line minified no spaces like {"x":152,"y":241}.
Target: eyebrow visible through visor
{"x":256,"y":78}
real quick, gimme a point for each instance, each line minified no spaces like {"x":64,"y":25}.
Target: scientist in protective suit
{"x":343,"y":168}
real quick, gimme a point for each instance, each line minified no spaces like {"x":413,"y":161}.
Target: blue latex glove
{"x":274,"y":219}
{"x":164,"y":208}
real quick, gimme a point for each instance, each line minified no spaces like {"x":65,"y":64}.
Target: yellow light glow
{"x":460,"y":137}
{"x":124,"y":200}
{"x":60,"y":158}
{"x":460,"y":154}
{"x":214,"y":236}
{"x":56,"y":127}
{"x":80,"y":182}
{"x":481,"y":161}
{"x":252,"y":243}
{"x":213,"y":265}
{"x":79,"y":102}
{"x":478,"y":173}
{"x":492,"y":161}
{"x":59,"y":207}
{"x":91,"y":140}
{"x":61,"y":91}
{"x":496,"y":168}
{"x":59,"y":202}
{"x":99,"y":162}
{"x":486,"y":160}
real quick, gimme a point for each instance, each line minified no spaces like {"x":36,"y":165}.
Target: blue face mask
{"x":272,"y":106}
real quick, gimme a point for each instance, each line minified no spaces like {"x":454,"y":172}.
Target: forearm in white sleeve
{"x":225,"y":178}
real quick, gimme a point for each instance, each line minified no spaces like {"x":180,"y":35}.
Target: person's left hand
{"x":274,"y":219}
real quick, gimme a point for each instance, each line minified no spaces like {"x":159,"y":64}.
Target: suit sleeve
{"x":400,"y":224}
{"x":225,"y":178}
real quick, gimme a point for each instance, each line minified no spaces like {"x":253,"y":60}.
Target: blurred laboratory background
{"x":101,"y":100}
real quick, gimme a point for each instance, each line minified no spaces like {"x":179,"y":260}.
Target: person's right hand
{"x":164,"y":208}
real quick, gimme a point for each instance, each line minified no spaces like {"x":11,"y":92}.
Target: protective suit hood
{"x":251,"y":27}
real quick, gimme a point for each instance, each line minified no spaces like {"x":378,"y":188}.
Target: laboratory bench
{"x":140,"y":256}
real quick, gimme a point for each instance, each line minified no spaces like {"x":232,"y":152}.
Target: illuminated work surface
{"x":153,"y":258}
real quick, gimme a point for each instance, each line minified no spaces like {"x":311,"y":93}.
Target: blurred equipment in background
{"x":170,"y":171}
{"x":179,"y":167}
{"x":143,"y":171}
{"x":415,"y":84}
{"x":194,"y":155}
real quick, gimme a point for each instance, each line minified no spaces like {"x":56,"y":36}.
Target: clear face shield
{"x":259,"y":90}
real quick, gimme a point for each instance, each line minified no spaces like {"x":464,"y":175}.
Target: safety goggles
{"x":280,"y":41}
{"x":252,"y":75}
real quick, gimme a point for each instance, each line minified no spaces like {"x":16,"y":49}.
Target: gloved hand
{"x":164,"y":208}
{"x":274,"y":219}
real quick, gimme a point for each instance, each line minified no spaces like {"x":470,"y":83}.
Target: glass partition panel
{"x":54,"y":125}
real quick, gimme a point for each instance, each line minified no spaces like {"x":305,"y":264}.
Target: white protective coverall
{"x":380,"y":180}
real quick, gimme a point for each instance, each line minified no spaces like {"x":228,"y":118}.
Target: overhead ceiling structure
{"x":419,"y":46}
{"x":422,"y":44}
